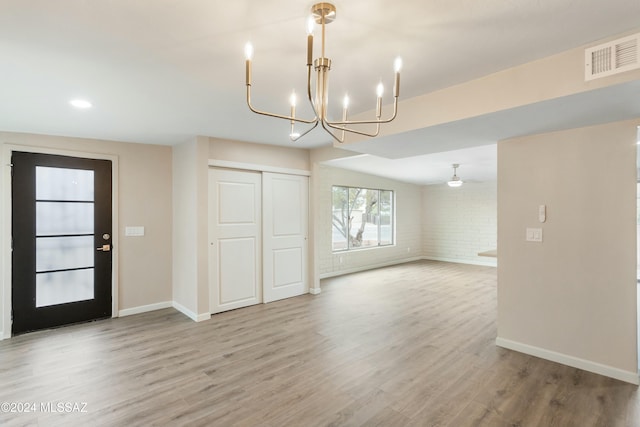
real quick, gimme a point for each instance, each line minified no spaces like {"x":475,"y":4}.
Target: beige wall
{"x":190,"y":270}
{"x":408,"y":223}
{"x":259,"y":154}
{"x":573,"y":296}
{"x":144,"y":199}
{"x":185,"y":227}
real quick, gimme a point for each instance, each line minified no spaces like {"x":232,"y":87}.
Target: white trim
{"x":145,"y":308}
{"x":5,"y":223}
{"x":487,"y":263}
{"x":367,"y":267}
{"x":576,"y":362}
{"x":115,"y":233}
{"x":5,"y":245}
{"x":315,"y":291}
{"x":190,"y":314}
{"x":257,"y":167}
{"x":203,"y":316}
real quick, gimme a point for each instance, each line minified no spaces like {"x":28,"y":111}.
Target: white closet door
{"x":286,"y":224}
{"x":235,"y":239}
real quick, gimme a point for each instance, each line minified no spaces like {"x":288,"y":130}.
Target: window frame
{"x":378,"y":219}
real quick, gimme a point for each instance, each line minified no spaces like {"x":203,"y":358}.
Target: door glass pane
{"x":61,"y":253}
{"x":54,"y":218}
{"x":63,"y":287}
{"x":64,"y":184}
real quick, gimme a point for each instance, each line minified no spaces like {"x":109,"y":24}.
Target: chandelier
{"x":322,"y":14}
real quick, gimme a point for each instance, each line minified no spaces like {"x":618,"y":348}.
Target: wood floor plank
{"x":407,"y":345}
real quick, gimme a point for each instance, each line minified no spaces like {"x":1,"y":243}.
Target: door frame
{"x":5,"y":224}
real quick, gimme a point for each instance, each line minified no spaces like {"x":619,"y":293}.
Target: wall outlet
{"x":534,"y":235}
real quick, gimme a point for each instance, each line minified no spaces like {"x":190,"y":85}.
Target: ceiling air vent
{"x":612,"y":58}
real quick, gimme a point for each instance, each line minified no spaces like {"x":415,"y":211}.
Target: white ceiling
{"x":163,"y":71}
{"x":477,"y":164}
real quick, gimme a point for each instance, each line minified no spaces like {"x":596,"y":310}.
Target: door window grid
{"x":64,"y":235}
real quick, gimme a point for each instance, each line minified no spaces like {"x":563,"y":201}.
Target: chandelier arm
{"x":278,"y":116}
{"x":346,"y":129}
{"x":313,"y":105}
{"x":326,"y":128}
{"x":306,"y":132}
{"x":368,"y":122}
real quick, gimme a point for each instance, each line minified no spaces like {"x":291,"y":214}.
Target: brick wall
{"x":459,"y":222}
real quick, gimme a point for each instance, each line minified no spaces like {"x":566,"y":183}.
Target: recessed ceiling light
{"x":80,"y":103}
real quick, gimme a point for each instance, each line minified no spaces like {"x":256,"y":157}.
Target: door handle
{"x":104,"y":248}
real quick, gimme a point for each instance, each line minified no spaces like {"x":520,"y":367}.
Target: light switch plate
{"x":542,"y":213}
{"x":136,"y":231}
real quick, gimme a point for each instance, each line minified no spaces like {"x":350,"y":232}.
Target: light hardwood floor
{"x":408,"y":345}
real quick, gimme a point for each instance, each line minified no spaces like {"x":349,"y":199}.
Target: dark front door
{"x":61,"y":229}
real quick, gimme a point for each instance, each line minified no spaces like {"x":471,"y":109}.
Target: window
{"x":362,"y":218}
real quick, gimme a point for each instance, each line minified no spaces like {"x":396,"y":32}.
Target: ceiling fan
{"x":455,"y":179}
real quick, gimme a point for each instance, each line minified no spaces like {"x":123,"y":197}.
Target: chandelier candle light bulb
{"x":248,"y":51}
{"x":310,"y":25}
{"x":379,"y":92}
{"x":323,"y":14}
{"x":293,"y":100}
{"x":248,"y":54}
{"x":397,"y":66}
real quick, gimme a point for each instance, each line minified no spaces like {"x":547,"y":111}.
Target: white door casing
{"x":285,"y":233}
{"x":235,"y":243}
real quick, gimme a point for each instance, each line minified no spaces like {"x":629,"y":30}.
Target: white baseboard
{"x":203,"y":316}
{"x":190,"y":314}
{"x":144,"y":308}
{"x":576,"y":362}
{"x":315,"y":291}
{"x":488,"y":263}
{"x":367,"y":267}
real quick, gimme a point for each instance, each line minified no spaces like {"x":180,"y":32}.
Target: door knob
{"x":104,"y":248}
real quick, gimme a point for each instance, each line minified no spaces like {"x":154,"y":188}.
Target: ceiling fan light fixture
{"x":455,"y":180}
{"x":81,"y":104}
